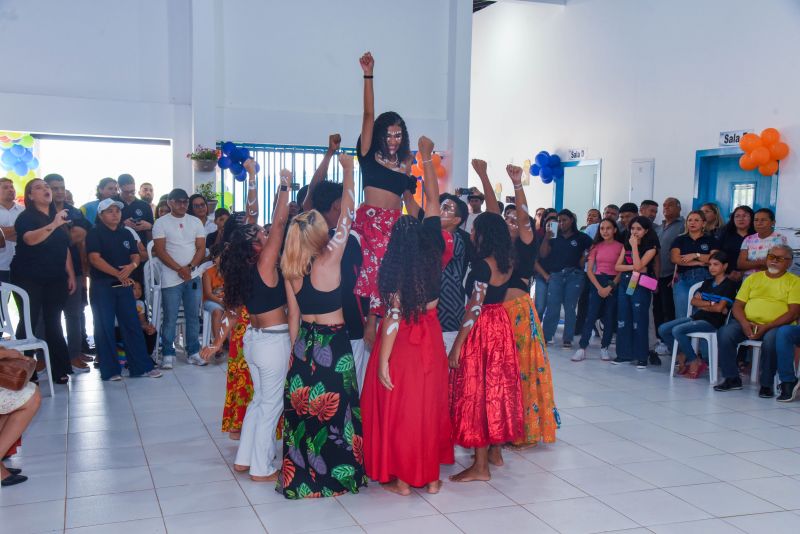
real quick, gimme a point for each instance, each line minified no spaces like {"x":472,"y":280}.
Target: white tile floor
{"x":637,"y":452}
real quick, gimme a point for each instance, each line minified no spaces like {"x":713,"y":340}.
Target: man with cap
{"x":475,"y":200}
{"x":179,"y":241}
{"x":113,"y":257}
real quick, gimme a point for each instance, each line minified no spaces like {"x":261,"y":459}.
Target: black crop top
{"x":376,"y":175}
{"x":312,"y":301}
{"x":264,"y":298}
{"x":481,"y":272}
{"x":524,"y":258}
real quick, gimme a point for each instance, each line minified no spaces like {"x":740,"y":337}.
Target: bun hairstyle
{"x":305,"y":240}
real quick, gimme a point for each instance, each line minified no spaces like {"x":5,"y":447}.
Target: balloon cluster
{"x":548,"y":166}
{"x":233,"y":159}
{"x":17,"y":157}
{"x":441,"y":171}
{"x":762,"y":152}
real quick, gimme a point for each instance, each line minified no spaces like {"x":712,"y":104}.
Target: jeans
{"x":680,"y":290}
{"x":109,"y":303}
{"x":563,"y":289}
{"x":210,"y":306}
{"x":788,"y":338}
{"x":73,"y":311}
{"x":189,"y":294}
{"x":540,"y":295}
{"x":663,"y":303}
{"x":583,"y":306}
{"x":600,"y":307}
{"x":678,"y":330}
{"x":633,"y":321}
{"x":729,"y":336}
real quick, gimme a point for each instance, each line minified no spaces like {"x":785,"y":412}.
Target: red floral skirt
{"x":485,"y":395}
{"x":374,"y":225}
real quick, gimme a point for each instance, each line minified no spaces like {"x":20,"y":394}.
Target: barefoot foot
{"x":397,"y":486}
{"x":471,"y":474}
{"x":434,"y":487}
{"x":269,"y":478}
{"x":241,"y":468}
{"x":496,"y":455}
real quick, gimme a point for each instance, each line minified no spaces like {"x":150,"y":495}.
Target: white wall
{"x":270,"y":71}
{"x":635,"y":79}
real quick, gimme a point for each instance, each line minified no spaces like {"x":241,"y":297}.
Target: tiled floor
{"x":637,"y":452}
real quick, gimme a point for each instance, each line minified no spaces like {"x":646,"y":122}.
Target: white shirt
{"x":180,"y":234}
{"x":7,"y":218}
{"x":470,"y":221}
{"x":211,"y":226}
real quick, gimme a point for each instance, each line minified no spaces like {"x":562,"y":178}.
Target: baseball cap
{"x":107,"y":203}
{"x":178,"y":194}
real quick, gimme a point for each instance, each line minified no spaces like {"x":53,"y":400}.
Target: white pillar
{"x":460,"y":59}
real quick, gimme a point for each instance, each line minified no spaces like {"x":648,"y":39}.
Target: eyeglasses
{"x":198,"y":206}
{"x":773,"y":257}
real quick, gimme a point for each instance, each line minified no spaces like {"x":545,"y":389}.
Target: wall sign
{"x":732,"y":137}
{"x":574,"y":154}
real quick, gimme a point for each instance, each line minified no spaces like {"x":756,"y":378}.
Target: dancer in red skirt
{"x":486,"y":402}
{"x":404,"y":402}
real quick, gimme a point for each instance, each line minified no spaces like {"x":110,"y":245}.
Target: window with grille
{"x":743,"y":194}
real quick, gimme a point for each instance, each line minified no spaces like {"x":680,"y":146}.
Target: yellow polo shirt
{"x":767,"y":298}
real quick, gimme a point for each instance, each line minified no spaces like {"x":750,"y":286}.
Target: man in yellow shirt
{"x":767,"y":300}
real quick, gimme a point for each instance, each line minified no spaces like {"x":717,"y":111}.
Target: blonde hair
{"x":305,"y":240}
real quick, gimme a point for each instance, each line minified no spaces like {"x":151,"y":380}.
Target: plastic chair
{"x":206,"y":329}
{"x":29,"y":342}
{"x":709,"y":337}
{"x":755,"y":346}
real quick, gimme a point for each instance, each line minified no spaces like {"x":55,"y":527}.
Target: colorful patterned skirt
{"x":323,"y":445}
{"x":540,"y":416}
{"x":239,"y":386}
{"x":374,"y":225}
{"x":485,"y":398}
{"x":407,"y":431}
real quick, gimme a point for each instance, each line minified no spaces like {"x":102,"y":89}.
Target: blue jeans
{"x":189,"y":294}
{"x":729,"y":337}
{"x":563,"y":289}
{"x":109,"y":303}
{"x":540,"y":295}
{"x":633,"y":322}
{"x":681,"y":287}
{"x":600,"y":307}
{"x":679,"y":329}
{"x":788,"y":338}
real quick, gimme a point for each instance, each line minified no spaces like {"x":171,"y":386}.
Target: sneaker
{"x":567,"y":345}
{"x":76,"y":369}
{"x":195,"y":359}
{"x":153,"y":373}
{"x":604,"y":355}
{"x":729,"y":384}
{"x":653,"y":358}
{"x":766,"y":392}
{"x":168,"y":362}
{"x":619,"y":361}
{"x":661,"y":349}
{"x":579,"y":355}
{"x":115,"y":378}
{"x":641,"y":364}
{"x":789,"y":391}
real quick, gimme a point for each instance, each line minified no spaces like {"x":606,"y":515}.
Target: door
{"x":718,"y":178}
{"x":642,"y":180}
{"x":579,"y":191}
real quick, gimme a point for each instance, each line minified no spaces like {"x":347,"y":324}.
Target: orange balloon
{"x":437,"y":160}
{"x":760,"y":155}
{"x":441,"y":171}
{"x":779,"y":150}
{"x":746,"y":163}
{"x":418,"y":159}
{"x":416,"y":170}
{"x":769,"y":168}
{"x":750,"y":141}
{"x":770,"y":136}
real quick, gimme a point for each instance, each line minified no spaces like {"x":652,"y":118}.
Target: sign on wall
{"x":732,"y":137}
{"x":574,"y":154}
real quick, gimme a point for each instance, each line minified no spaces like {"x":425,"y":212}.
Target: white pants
{"x":266,"y":351}
{"x":361,"y":357}
{"x":449,"y":339}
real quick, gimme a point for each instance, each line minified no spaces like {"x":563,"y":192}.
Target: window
{"x":743,"y":194}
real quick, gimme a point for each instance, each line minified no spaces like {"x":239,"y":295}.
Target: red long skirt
{"x":374,"y":225}
{"x":485,"y":394}
{"x":407,"y":431}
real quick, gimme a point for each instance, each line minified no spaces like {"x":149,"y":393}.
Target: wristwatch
{"x":697,"y":255}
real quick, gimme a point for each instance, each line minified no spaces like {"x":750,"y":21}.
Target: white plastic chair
{"x":29,"y":342}
{"x":206,"y":329}
{"x":755,"y":346}
{"x":710,"y":337}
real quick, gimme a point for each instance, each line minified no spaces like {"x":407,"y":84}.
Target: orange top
{"x":216,"y":280}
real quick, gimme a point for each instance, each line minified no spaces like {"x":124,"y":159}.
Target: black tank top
{"x":315,"y":302}
{"x":376,"y":175}
{"x":263,"y":298}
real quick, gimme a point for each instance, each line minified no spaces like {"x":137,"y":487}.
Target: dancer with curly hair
{"x":406,"y":419}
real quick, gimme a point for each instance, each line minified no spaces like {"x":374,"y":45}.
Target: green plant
{"x":203,"y":153}
{"x":207,"y":190}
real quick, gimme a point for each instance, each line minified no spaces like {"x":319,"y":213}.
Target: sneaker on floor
{"x":604,"y":355}
{"x":84,"y":369}
{"x":115,"y":378}
{"x":661,"y":349}
{"x":619,"y":361}
{"x":653,"y":358}
{"x":789,"y":391}
{"x":153,"y":373}
{"x":579,"y":355}
{"x":567,"y":345}
{"x":766,"y":392}
{"x":641,"y":364}
{"x":195,"y":359}
{"x":729,"y":384}
{"x":168,"y":362}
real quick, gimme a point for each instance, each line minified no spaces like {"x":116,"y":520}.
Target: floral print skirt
{"x":239,"y":386}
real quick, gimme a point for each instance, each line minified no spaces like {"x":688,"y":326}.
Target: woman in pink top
{"x":602,"y":275}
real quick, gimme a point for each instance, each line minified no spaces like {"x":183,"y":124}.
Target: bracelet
{"x":518,"y":187}
{"x":424,"y":161}
{"x":368,"y":77}
{"x":284,"y":188}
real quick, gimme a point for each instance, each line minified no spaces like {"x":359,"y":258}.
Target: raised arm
{"x":488,"y":192}
{"x":334,"y":142}
{"x":389,"y":328}
{"x":336,"y":245}
{"x":430,"y":181}
{"x":525,"y":228}
{"x":294,"y":313}
{"x":251,"y":210}
{"x":368,"y":120}
{"x":268,"y":258}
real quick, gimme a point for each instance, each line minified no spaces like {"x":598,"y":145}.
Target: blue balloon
{"x":236,"y":155}
{"x":542,"y":159}
{"x":547,"y":172}
{"x":17,"y":150}
{"x":21,"y":168}
{"x":558,"y":172}
{"x":227,"y":147}
{"x":547,"y":179}
{"x":236,"y":168}
{"x":8,"y":158}
{"x":554,"y":160}
{"x":244,"y":153}
{"x":224,"y":162}
{"x":241,"y":176}
{"x":27,"y":156}
{"x":535,"y":169}
{"x":34,"y":164}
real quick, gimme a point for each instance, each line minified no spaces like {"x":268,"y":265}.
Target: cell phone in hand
{"x":552,"y":227}
{"x":462,"y":191}
{"x":510,"y":200}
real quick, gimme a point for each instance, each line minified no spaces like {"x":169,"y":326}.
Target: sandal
{"x":701,"y":368}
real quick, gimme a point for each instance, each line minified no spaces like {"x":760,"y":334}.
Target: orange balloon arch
{"x":762,"y":152}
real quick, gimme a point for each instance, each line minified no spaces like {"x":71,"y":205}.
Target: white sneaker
{"x":153,"y":373}
{"x":661,"y":349}
{"x":579,"y":355}
{"x":168,"y":362}
{"x":195,"y":359}
{"x":604,"y":355}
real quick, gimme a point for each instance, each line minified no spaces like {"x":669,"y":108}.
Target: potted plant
{"x":203,"y":159}
{"x":207,"y":190}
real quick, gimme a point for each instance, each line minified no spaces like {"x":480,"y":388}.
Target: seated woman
{"x":17,"y":408}
{"x":755,"y":247}
{"x":712,"y":301}
{"x":690,"y":252}
{"x":213,"y":293}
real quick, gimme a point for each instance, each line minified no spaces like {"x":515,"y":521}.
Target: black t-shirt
{"x":648,"y":244}
{"x":76,"y":218}
{"x":47,"y":260}
{"x":139,"y":210}
{"x":702,"y":245}
{"x":566,"y":252}
{"x":481,"y":272}
{"x":114,"y":246}
{"x":469,"y":248}
{"x":731,"y":244}
{"x":715,"y":293}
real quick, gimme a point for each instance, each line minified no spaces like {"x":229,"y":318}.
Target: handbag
{"x":16,"y":372}
{"x":638,"y":279}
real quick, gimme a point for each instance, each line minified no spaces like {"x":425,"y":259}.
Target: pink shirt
{"x":605,"y":255}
